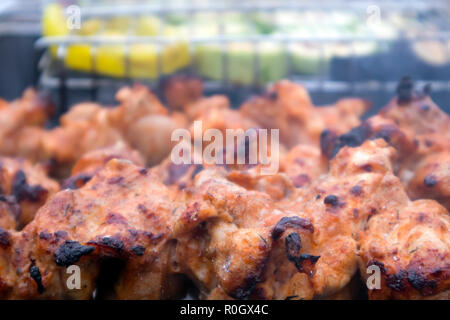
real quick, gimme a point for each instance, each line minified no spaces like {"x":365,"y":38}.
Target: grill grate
{"x":372,"y":75}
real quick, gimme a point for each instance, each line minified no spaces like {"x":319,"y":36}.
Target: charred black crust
{"x":246,"y":289}
{"x":60,"y":234}
{"x":110,"y":242}
{"x":45,"y":235}
{"x":356,"y":190}
{"x":54,"y":237}
{"x":290,"y":222}
{"x":305,"y":262}
{"x":427,"y":88}
{"x":430,"y":180}
{"x":397,"y":281}
{"x":198,"y":169}
{"x":138,"y":250}
{"x":153,"y":237}
{"x":327,"y":142}
{"x":70,"y":252}
{"x":331,"y":144}
{"x":35,"y":274}
{"x":331,"y":200}
{"x":115,"y":218}
{"x":406,"y":93}
{"x":420,"y":283}
{"x":293,"y":244}
{"x":405,"y":90}
{"x":272,"y":95}
{"x":386,"y":133}
{"x":354,"y":138}
{"x":251,"y":280}
{"x":402,"y":279}
{"x":76,"y":182}
{"x":116,"y":180}
{"x":22,"y":191}
{"x":143,"y":171}
{"x":5,"y":238}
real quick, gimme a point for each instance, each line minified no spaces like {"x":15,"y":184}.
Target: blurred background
{"x":86,"y":50}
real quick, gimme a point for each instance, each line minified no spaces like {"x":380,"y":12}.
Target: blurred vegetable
{"x":110,"y":59}
{"x":240,"y":61}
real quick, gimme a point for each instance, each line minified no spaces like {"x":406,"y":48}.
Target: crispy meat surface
{"x":287,"y":107}
{"x":311,"y":243}
{"x":411,"y":247}
{"x":227,"y":243}
{"x":431,"y":179}
{"x":124,"y":213}
{"x":310,"y":231}
{"x":24,"y":188}
{"x":361,"y":204}
{"x":420,"y":132}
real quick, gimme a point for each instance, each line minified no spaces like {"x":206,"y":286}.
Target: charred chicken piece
{"x":420,"y":132}
{"x":431,"y":179}
{"x":288,"y":107}
{"x":224,"y":237}
{"x":338,"y":204}
{"x":303,"y":245}
{"x":24,"y":188}
{"x":123,"y":213}
{"x":362,"y":204}
{"x":410,"y":247}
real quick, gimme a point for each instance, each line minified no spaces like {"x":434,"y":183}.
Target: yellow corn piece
{"x":109,"y":59}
